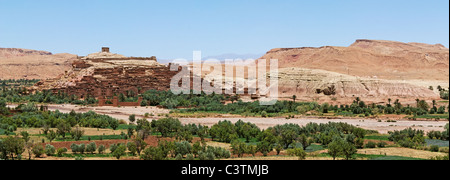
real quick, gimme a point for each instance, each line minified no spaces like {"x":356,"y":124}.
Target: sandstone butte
{"x":370,"y":69}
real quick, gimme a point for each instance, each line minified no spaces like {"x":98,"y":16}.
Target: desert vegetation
{"x":175,"y":141}
{"x":190,"y":141}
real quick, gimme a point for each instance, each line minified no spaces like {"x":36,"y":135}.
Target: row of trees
{"x":358,"y":107}
{"x":30,"y":116}
{"x":444,"y":135}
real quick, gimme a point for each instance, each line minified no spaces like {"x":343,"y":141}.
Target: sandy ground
{"x":382,"y":127}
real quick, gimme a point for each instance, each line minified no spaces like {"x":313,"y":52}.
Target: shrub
{"x":112,"y":147}
{"x":91,"y":147}
{"x":81,"y":148}
{"x":153,"y":153}
{"x":132,"y":148}
{"x":74,"y":148}
{"x":101,"y":149}
{"x":38,"y":151}
{"x":298,"y":152}
{"x":60,"y":152}
{"x":371,"y":144}
{"x":50,"y":150}
{"x":179,"y":157}
{"x":444,"y":150}
{"x":434,"y":148}
{"x":119,"y":151}
{"x":189,"y":157}
{"x":381,"y":144}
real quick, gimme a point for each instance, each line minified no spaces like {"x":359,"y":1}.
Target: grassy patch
{"x":94,"y":138}
{"x":253,"y":141}
{"x":125,"y":127}
{"x":378,"y":137}
{"x":314,"y":148}
{"x":433,"y":116}
{"x":2,"y":132}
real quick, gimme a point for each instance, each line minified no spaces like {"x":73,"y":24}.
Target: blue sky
{"x":174,"y":28}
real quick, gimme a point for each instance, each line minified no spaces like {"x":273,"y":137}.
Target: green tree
{"x":91,"y":147}
{"x":335,"y":148}
{"x":50,"y":150}
{"x":38,"y":151}
{"x":132,"y":118}
{"x":305,"y":141}
{"x":132,"y":148}
{"x":62,"y":128}
{"x":298,"y":152}
{"x":119,"y":151}
{"x":77,"y":133}
{"x":12,"y":147}
{"x":153,"y":153}
{"x":51,"y":135}
{"x":168,"y":127}
{"x":239,"y":148}
{"x":348,"y":150}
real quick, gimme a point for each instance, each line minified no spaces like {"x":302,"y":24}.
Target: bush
{"x":81,"y":148}
{"x":179,"y":157}
{"x":38,"y":151}
{"x":101,"y":149}
{"x":74,"y":148}
{"x":189,"y":157}
{"x":298,"y":152}
{"x":132,"y":148}
{"x":434,"y":148}
{"x":50,"y":150}
{"x":381,"y":144}
{"x":444,"y":150}
{"x":113,"y":147}
{"x":119,"y":151}
{"x":60,"y":152}
{"x":91,"y":147}
{"x":371,"y":144}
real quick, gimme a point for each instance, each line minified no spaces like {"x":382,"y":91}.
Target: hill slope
{"x":32,"y":64}
{"x":371,"y":58}
{"x":372,"y":69}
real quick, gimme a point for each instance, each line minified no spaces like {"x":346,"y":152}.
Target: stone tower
{"x":105,"y":49}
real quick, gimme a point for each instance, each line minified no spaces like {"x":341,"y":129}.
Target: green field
{"x":378,"y":137}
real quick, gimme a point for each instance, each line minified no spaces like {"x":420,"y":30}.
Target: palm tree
{"x":389,"y":101}
{"x":417,"y":102}
{"x":294,"y":97}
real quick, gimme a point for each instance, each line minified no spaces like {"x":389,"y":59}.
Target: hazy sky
{"x":174,"y":28}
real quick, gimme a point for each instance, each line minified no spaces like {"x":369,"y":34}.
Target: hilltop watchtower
{"x":105,"y":49}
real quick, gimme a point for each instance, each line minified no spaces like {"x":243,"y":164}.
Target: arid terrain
{"x":370,"y":69}
{"x":31,"y":64}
